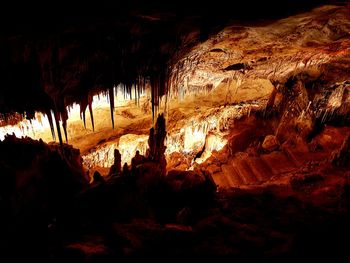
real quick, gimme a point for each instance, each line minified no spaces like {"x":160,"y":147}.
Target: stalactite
{"x":49,"y":117}
{"x":83,"y":105}
{"x":64,"y":117}
{"x":152,"y":100}
{"x":111,"y":103}
{"x":91,"y":116}
{"x":58,"y":127}
{"x":136,"y":97}
{"x":138,"y":90}
{"x":31,"y":126}
{"x":130,"y":91}
{"x":64,"y":125}
{"x":115,"y":88}
{"x":84,"y":120}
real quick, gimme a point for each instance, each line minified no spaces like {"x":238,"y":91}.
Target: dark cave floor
{"x":119,"y":221}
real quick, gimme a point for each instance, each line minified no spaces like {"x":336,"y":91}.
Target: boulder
{"x":191,"y":185}
{"x":270,"y":143}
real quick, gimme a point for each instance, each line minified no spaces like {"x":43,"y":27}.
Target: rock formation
{"x":212,"y":133}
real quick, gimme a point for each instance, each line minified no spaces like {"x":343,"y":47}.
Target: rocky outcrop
{"x":270,"y":143}
{"x":103,"y":155}
{"x":297,"y":116}
{"x":37,"y":183}
{"x":159,"y":53}
{"x":315,"y":40}
{"x":35,"y":165}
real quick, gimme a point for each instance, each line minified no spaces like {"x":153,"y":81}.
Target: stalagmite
{"x":91,"y":116}
{"x":111,"y":103}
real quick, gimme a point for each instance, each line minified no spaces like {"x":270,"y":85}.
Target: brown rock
{"x":186,"y":180}
{"x":270,"y":143}
{"x":212,"y":169}
{"x":182,"y":167}
{"x":175,"y":160}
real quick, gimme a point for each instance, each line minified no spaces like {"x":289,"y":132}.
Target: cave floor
{"x":306,"y":219}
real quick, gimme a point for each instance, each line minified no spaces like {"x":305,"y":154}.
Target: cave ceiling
{"x":52,"y":56}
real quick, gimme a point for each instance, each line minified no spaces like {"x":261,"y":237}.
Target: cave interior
{"x":185,"y":130}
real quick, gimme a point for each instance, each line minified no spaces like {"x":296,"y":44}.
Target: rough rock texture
{"x":318,"y":40}
{"x":239,"y":200}
{"x":155,"y":51}
{"x":270,"y":143}
{"x":282,"y":75}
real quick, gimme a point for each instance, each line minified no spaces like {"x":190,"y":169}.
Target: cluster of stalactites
{"x":134,"y":89}
{"x":11,"y":119}
{"x":180,"y":72}
{"x":157,"y":85}
{"x":57,"y":117}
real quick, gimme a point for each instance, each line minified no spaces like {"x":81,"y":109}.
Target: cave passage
{"x":157,"y":132}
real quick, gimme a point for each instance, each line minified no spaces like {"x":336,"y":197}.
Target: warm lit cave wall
{"x":258,"y":112}
{"x":291,"y":73}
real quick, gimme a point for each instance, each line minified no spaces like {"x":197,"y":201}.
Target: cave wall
{"x":49,"y":62}
{"x":37,"y":179}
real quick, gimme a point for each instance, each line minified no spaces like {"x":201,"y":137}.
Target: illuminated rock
{"x":129,"y":144}
{"x":270,"y":143}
